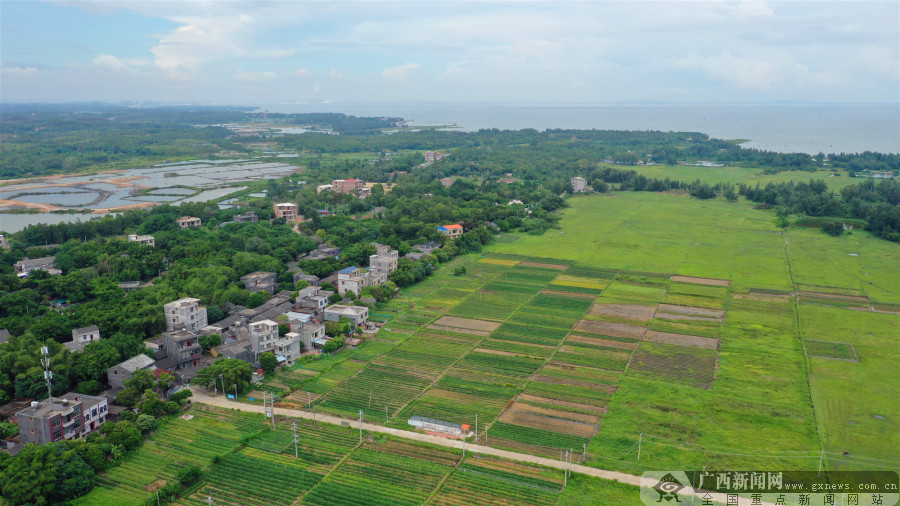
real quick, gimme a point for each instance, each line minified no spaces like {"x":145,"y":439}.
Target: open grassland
{"x":867,"y":426}
{"x":740,"y":174}
{"x":644,"y":231}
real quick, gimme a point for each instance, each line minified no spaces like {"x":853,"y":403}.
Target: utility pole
{"x":209,"y":499}
{"x":308,"y":399}
{"x":294,"y":426}
{"x":821,"y":455}
{"x":370,"y":399}
{"x":566,"y":471}
{"x":583,"y":451}
{"x":385,"y":415}
{"x":48,"y":374}
{"x":235,"y":392}
{"x":640,"y":440}
{"x":476,"y":427}
{"x":360,"y":425}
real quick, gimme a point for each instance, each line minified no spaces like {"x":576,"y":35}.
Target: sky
{"x":595,"y":52}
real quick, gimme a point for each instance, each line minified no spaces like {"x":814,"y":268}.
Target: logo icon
{"x":668,"y":488}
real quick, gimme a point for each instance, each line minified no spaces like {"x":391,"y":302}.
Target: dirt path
{"x":203,"y":397}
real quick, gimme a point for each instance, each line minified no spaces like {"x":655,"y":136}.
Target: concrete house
{"x":81,"y":338}
{"x":453,"y":231}
{"x":146,"y":240}
{"x":118,"y":374}
{"x":357,"y":314}
{"x":579,"y":185}
{"x":183,"y":350}
{"x":312,"y":297}
{"x":346,"y":185}
{"x":263,"y":335}
{"x":4,"y":335}
{"x":260,"y":281}
{"x":384,"y":261}
{"x":287,"y":211}
{"x":249,"y":216}
{"x":309,"y":278}
{"x":322,"y":252}
{"x":186,"y":313}
{"x":239,"y":349}
{"x":188,"y":221}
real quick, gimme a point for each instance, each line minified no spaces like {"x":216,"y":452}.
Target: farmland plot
{"x":484,"y":480}
{"x":695,"y":367}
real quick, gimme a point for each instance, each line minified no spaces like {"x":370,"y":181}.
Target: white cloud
{"x":776,"y":70}
{"x":19,"y":71}
{"x":748,"y":8}
{"x":335,"y":74}
{"x":256,"y":76}
{"x":111,"y":62}
{"x":399,"y":73}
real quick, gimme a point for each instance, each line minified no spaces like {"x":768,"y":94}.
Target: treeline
{"x":877,"y":203}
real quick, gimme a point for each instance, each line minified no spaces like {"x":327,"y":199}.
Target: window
{"x":103,"y":408}
{"x":57,"y":434}
{"x":32,"y":431}
{"x":115,"y":371}
{"x":56,"y":422}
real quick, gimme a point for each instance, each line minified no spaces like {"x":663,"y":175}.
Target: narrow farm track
{"x":201,"y":396}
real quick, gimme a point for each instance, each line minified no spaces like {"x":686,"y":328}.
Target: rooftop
{"x":138,"y":362}
{"x":338,"y":308}
{"x":451,"y":227}
{"x":31,"y":262}
{"x":86,"y":330}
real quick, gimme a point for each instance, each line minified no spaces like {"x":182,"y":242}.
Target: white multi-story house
{"x":186,"y":313}
{"x":579,"y":184}
{"x":263,"y":336}
{"x":146,"y":240}
{"x":384,"y":261}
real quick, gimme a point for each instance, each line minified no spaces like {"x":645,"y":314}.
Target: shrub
{"x":188,"y":474}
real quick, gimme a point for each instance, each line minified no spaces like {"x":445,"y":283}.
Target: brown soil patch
{"x":467,"y":323}
{"x":508,"y":466}
{"x":701,"y":281}
{"x":594,"y":352}
{"x":568,"y":404}
{"x":684,"y":317}
{"x":624,"y":311}
{"x":574,"y":338}
{"x":461,"y":330}
{"x":156,"y":485}
{"x":578,"y":417}
{"x":544,"y":266}
{"x":141,"y":205}
{"x":691,"y":310}
{"x":609,"y":329}
{"x":44,"y":208}
{"x":681,"y":340}
{"x":536,"y":421}
{"x":496,"y":352}
{"x":683,"y":368}
{"x":578,"y":383}
{"x":569,"y":294}
{"x":541,"y":451}
{"x":303,"y":397}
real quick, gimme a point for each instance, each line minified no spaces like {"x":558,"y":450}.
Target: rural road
{"x":201,"y":396}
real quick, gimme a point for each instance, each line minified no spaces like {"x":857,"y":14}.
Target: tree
{"x":350,"y":294}
{"x":283,"y":328}
{"x":188,"y":474}
{"x":459,"y":271}
{"x":268,"y":361}
{"x":122,"y":433}
{"x":209,"y":342}
{"x":145,"y":423}
{"x":333,"y":345}
{"x":162,"y":384}
{"x":141,"y":380}
{"x":335,"y":298}
{"x":89,"y":387}
{"x":833,"y":228}
{"x":29,"y":478}
{"x":93,"y":362}
{"x":151,"y":404}
{"x":232,"y":370}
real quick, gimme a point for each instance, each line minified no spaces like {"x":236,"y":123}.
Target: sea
{"x":787,"y":128}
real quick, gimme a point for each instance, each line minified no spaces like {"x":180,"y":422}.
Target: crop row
{"x":250,"y":477}
{"x":534,"y":436}
{"x":444,"y":347}
{"x":510,"y":365}
{"x":514,"y":347}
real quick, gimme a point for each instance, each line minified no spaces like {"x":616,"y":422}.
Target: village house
{"x":384,"y":261}
{"x":579,"y":184}
{"x":183,"y":350}
{"x":322,"y":252}
{"x":69,"y":416}
{"x":312,"y":297}
{"x":323,"y":187}
{"x":381,"y":265}
{"x":260,"y":281}
{"x":240,"y":350}
{"x":427,"y":248}
{"x":248,"y":217}
{"x":433,"y":156}
{"x":4,"y":335}
{"x":118,"y":374}
{"x":26,"y":265}
{"x":357,"y":314}
{"x":309,"y":278}
{"x":287,"y":211}
{"x":188,"y":221}
{"x":263,"y":335}
{"x":81,"y":337}
{"x":4,"y":242}
{"x":186,"y":313}
{"x":453,"y":231}
{"x":146,"y":240}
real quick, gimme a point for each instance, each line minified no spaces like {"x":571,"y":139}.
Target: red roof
{"x":452,"y":227}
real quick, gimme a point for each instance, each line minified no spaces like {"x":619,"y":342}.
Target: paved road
{"x":202,"y":396}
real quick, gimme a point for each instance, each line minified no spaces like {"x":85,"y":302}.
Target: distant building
{"x":358,"y":314}
{"x":70,"y":416}
{"x":433,"y":156}
{"x":312,"y":297}
{"x":579,"y":184}
{"x":447,"y":181}
{"x":188,"y":221}
{"x":322,"y":252}
{"x":324,"y":187}
{"x":23,"y":267}
{"x":118,"y":374}
{"x":287,"y":211}
{"x":4,"y":242}
{"x":346,"y":185}
{"x":260,"y":281}
{"x":239,"y":349}
{"x":81,"y":338}
{"x":186,"y":313}
{"x":249,"y":216}
{"x":453,"y":231}
{"x":427,"y":248}
{"x":146,"y":240}
{"x":309,"y":278}
{"x":4,"y":335}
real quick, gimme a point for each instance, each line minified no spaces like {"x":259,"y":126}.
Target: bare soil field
{"x":579,"y":417}
{"x":568,"y":404}
{"x":542,"y":422}
{"x":467,"y":323}
{"x":624,"y":311}
{"x":609,"y":329}
{"x":302,"y":397}
{"x":681,"y":340}
{"x":575,"y":338}
{"x":689,"y":369}
{"x":498,"y":261}
{"x":837,"y":296}
{"x":460,"y":330}
{"x":684,"y":317}
{"x":541,"y":451}
{"x":701,"y":281}
{"x":544,"y":266}
{"x":691,"y":310}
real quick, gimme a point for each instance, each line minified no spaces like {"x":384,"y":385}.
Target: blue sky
{"x":576,"y":52}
